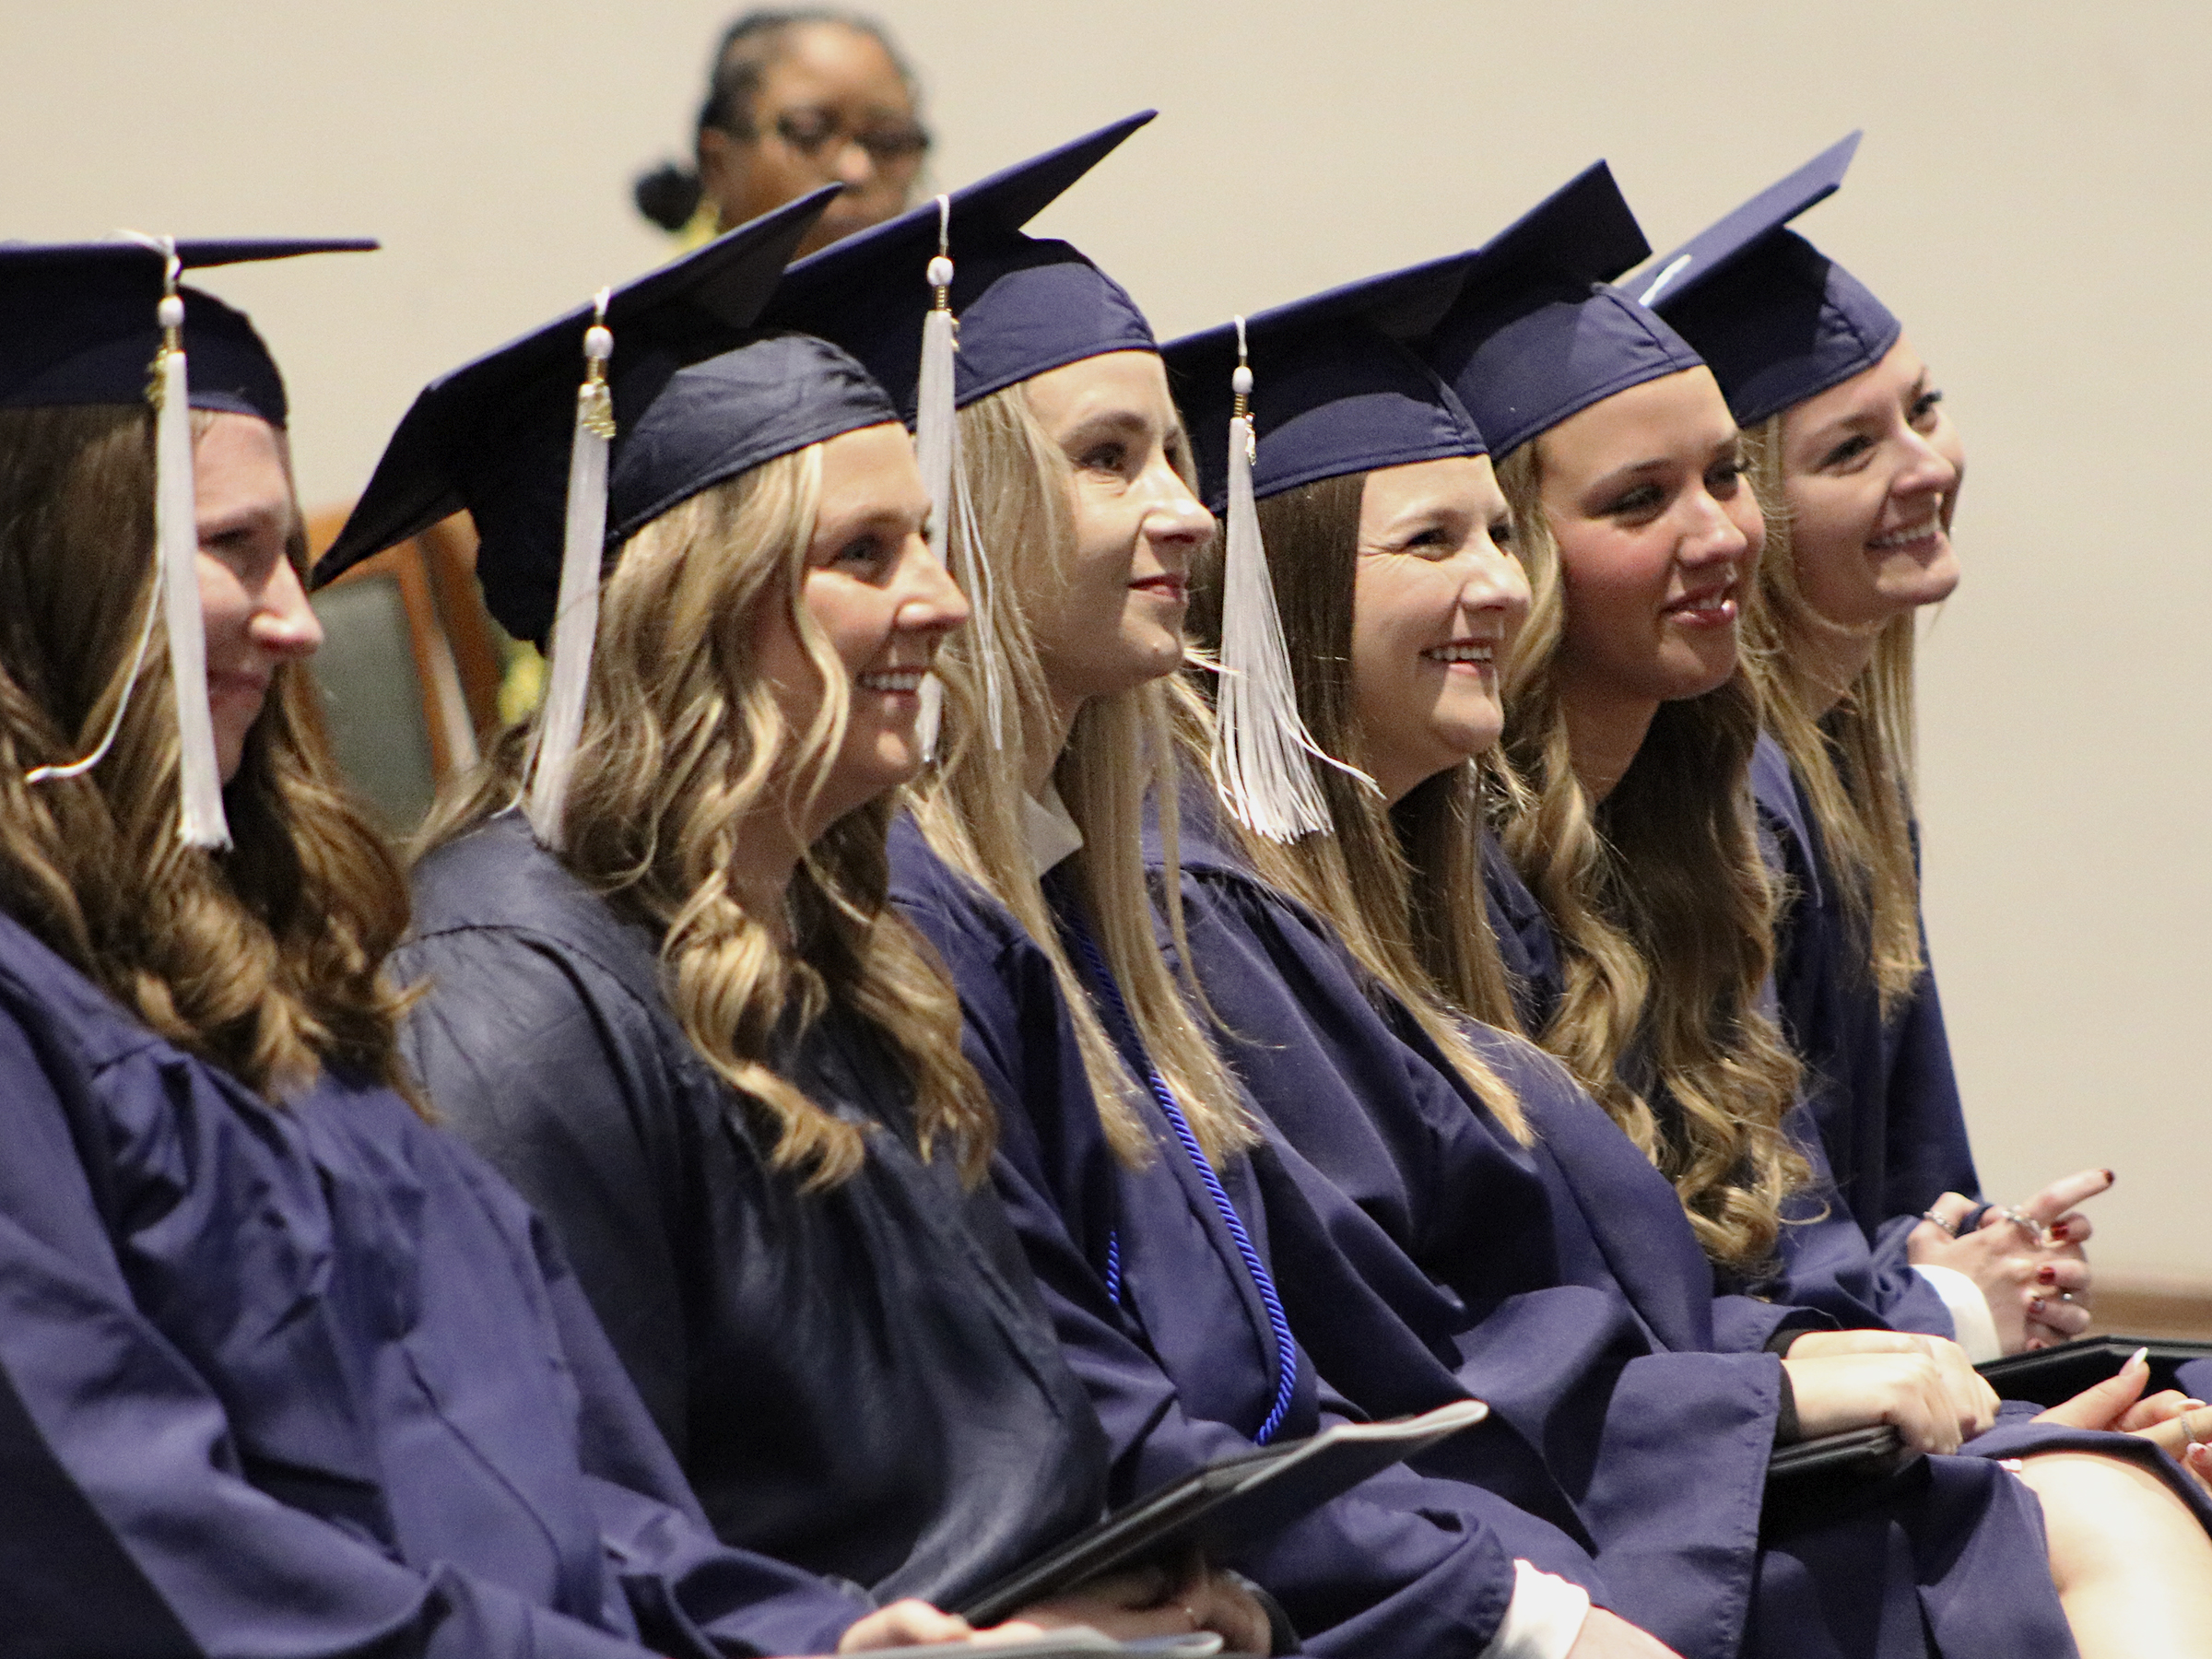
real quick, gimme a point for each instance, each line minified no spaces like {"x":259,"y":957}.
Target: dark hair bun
{"x":669,"y":195}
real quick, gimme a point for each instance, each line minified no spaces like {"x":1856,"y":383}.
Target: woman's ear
{"x":721,"y":167}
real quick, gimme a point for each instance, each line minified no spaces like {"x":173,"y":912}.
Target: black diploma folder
{"x":1224,"y":1504}
{"x":2052,"y":1374}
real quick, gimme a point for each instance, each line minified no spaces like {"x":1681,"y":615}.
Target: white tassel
{"x":937,"y":454}
{"x":1261,"y":747}
{"x":576,"y":613}
{"x":177,"y":541}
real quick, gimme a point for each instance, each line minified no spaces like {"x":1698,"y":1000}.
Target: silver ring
{"x":1929,"y":1215}
{"x":2189,"y":1429}
{"x":2019,"y":1219}
{"x":2066,"y":1296}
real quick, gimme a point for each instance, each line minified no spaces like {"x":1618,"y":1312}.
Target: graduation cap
{"x":1535,"y":334}
{"x":897,"y":295}
{"x":108,"y":323}
{"x":1778,"y":321}
{"x":563,"y":443}
{"x":1316,"y":389}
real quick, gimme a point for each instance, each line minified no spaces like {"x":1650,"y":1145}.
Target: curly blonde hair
{"x":972,"y":809}
{"x":683,"y":742}
{"x":1856,"y":759}
{"x":1664,"y":914}
{"x":265,"y":959}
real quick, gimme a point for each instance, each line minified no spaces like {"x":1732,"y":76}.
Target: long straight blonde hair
{"x":1119,"y":751}
{"x":1856,"y":759}
{"x":1664,"y":914}
{"x":683,"y":742}
{"x":1402,"y":884}
{"x":266,"y":959}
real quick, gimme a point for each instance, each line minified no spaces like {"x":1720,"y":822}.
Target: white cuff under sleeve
{"x":1543,"y":1619}
{"x":1971,"y":1324}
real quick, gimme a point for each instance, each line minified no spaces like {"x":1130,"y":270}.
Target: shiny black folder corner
{"x":2053,"y":1374}
{"x":1224,"y":1504}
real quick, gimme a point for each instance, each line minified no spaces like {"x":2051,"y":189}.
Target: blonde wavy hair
{"x":971,"y":808}
{"x":1664,"y":914}
{"x":1402,"y":884}
{"x":264,"y":959}
{"x":1856,"y":759}
{"x":683,"y":742}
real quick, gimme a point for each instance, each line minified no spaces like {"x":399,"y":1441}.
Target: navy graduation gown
{"x":860,"y":1381}
{"x":1881,"y":1092}
{"x":1414,"y":1275}
{"x":1177,"y":1350}
{"x":313,"y":1380}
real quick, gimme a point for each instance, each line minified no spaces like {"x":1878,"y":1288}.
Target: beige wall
{"x":2031,"y":198}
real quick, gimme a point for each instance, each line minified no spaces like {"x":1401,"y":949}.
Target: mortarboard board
{"x":1535,"y":334}
{"x":107,"y":323}
{"x":1778,"y":321}
{"x":563,"y":443}
{"x":1316,"y":389}
{"x":1025,"y":304}
{"x":82,"y":323}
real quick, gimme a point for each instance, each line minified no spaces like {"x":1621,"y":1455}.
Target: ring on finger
{"x":2020,"y":1219}
{"x":1948,"y":1227}
{"x":2189,"y":1429}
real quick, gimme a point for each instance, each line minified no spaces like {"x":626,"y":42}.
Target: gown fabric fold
{"x":312,"y":1379}
{"x":861,"y":1380}
{"x":1879,"y":1091}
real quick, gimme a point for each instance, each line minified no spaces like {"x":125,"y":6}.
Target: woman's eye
{"x":1502,"y":535}
{"x":1722,"y":479}
{"x":1850,"y":450}
{"x":1923,"y":407}
{"x":865,"y":554}
{"x":1105,"y":458}
{"x":1643,"y":498}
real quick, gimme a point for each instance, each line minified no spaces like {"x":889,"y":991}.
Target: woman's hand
{"x":908,"y":1623}
{"x":1971,"y":1401}
{"x":1155,"y":1601}
{"x":1922,"y":1385}
{"x":2028,"y":1265}
{"x":2170,"y":1420}
{"x":1605,"y":1636}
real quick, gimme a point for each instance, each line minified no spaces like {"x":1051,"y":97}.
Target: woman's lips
{"x":1713,"y":608}
{"x":893,"y":682}
{"x":1465,"y":656}
{"x":1177,"y":588}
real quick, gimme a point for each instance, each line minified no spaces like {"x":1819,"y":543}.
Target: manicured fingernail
{"x":2110,"y":1178}
{"x":2046,"y":1276}
{"x":2140,"y":1357}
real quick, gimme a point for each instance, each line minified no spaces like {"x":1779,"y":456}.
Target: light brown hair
{"x":1663,"y":910}
{"x":1856,"y":759}
{"x":264,"y":959}
{"x":1120,"y":746}
{"x":683,"y":741}
{"x":1402,"y":883}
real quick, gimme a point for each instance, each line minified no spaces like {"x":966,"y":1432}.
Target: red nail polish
{"x":2046,"y":1276}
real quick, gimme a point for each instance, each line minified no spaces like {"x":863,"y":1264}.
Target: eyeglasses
{"x":813,"y":132}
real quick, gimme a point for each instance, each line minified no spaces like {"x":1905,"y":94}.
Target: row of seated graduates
{"x":681,"y":1003}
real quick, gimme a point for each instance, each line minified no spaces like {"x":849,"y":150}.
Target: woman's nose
{"x":283,"y":621}
{"x":931,"y":601}
{"x":1496,"y":584}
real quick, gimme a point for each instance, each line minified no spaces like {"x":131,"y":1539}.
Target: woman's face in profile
{"x":1870,"y":469}
{"x":883,"y":605}
{"x":252,"y":603}
{"x":1657,"y":529}
{"x":1115,"y":620}
{"x":830,"y":108}
{"x":1437,"y":596}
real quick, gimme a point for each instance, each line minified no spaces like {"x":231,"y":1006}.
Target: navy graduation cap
{"x":81,"y":324}
{"x":563,"y":443}
{"x":696,"y":397}
{"x":1537,"y":335}
{"x":1333,"y":389}
{"x":1778,"y":321}
{"x":1025,"y":304}
{"x":108,"y":323}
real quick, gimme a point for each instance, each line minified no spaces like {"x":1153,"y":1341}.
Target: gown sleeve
{"x":122,"y":1472}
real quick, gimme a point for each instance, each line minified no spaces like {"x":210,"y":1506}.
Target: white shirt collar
{"x":1054,"y":836}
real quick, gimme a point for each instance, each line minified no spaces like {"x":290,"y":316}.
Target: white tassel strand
{"x":1261,"y":750}
{"x":937,"y":454}
{"x":576,"y":613}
